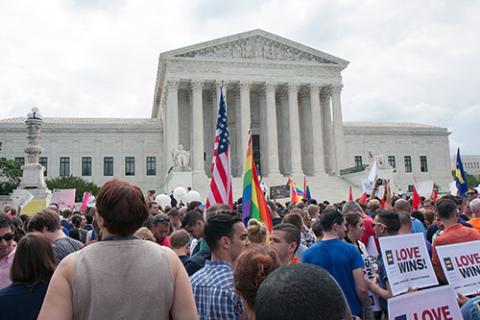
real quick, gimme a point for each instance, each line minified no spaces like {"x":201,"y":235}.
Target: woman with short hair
{"x":32,"y":268}
{"x":121,"y":276}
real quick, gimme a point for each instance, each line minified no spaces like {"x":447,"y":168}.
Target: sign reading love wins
{"x":432,"y":304}
{"x":461,"y":266}
{"x":407,"y":262}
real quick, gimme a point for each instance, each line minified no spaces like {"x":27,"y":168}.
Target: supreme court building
{"x":287,"y":94}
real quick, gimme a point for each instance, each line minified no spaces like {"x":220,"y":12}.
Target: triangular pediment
{"x":256,"y":45}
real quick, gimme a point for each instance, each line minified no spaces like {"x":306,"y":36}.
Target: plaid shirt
{"x":214,"y":293}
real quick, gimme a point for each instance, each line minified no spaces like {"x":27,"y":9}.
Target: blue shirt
{"x":19,"y":301}
{"x":339,"y":259}
{"x":214,"y":292}
{"x":417,"y":226}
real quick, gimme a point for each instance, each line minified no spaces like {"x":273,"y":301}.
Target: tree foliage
{"x":10,"y":175}
{"x":472,"y":181}
{"x":79,"y":184}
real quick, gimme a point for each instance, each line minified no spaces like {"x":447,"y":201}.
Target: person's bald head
{"x":402,"y":205}
{"x":374,"y":205}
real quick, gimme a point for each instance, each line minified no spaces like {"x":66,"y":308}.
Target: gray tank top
{"x":122,"y":279}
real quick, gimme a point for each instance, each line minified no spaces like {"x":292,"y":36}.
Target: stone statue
{"x":380,"y":158}
{"x":181,"y":159}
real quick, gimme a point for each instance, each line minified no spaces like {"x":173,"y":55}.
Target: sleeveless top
{"x":122,"y":279}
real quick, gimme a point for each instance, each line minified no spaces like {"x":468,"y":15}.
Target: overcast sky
{"x":410,"y":61}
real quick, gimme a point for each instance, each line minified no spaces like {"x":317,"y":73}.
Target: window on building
{"x":151,"y":166}
{"x":410,"y":188}
{"x":408,"y":163}
{"x":44,"y":162}
{"x":423,"y":164}
{"x":391,"y":162}
{"x":86,"y":166}
{"x":358,"y":161}
{"x":108,"y":166}
{"x":20,"y":160}
{"x":129,"y":166}
{"x":64,"y":166}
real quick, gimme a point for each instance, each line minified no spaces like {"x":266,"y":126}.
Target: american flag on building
{"x":221,"y":183}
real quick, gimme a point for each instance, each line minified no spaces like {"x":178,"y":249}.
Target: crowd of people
{"x":129,"y":258}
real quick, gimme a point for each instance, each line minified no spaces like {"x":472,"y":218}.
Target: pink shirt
{"x":5,"y":265}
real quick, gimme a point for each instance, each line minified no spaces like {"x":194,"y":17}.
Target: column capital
{"x":325,"y":92}
{"x":197,"y":84}
{"x":245,"y":85}
{"x":336,"y":89}
{"x":172,"y":84}
{"x":293,"y":86}
{"x":314,"y":88}
{"x":270,"y":86}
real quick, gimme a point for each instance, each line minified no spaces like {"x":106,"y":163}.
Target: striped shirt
{"x":214,"y":292}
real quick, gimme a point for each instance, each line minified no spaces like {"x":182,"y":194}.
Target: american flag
{"x":221,"y":184}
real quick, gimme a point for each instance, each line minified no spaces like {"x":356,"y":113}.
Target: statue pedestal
{"x":196,"y":180}
{"x":178,"y":179}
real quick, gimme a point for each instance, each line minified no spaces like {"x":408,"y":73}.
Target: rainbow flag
{"x":253,"y":200}
{"x":297,"y":192}
{"x":306,"y":189}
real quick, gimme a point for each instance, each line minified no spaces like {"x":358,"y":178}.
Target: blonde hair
{"x":145,"y":234}
{"x":257,"y":231}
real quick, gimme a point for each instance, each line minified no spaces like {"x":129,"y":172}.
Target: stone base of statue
{"x":34,"y":182}
{"x":185,"y":179}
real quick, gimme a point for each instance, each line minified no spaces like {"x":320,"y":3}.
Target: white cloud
{"x":410,"y":61}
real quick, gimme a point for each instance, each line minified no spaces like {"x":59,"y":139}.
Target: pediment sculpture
{"x":256,"y":47}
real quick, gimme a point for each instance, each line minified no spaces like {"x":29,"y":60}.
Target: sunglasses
{"x":7,"y":236}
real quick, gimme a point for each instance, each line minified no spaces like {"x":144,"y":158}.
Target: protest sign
{"x":34,"y":206}
{"x":279,"y":192}
{"x":65,"y":198}
{"x":438,"y":303}
{"x":425,"y":188}
{"x":83,"y":207}
{"x":20,"y":198}
{"x":407,"y":262}
{"x":452,"y":186}
{"x":366,"y":185}
{"x":461,"y":266}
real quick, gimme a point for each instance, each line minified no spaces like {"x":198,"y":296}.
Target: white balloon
{"x":163,"y":201}
{"x":179,"y":193}
{"x":193,"y":195}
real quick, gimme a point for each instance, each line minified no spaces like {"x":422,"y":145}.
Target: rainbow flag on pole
{"x":297,"y":192}
{"x":253,"y":200}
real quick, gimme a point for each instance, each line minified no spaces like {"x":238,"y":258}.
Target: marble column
{"x":338,"y":129}
{"x":317,"y":125}
{"x":243,"y":122}
{"x":197,"y":126}
{"x":328,"y":130}
{"x":171,"y":130}
{"x":294,"y":126}
{"x":271,"y":128}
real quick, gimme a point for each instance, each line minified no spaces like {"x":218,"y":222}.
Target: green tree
{"x":80,"y":185}
{"x":472,"y":181}
{"x":10,"y":175}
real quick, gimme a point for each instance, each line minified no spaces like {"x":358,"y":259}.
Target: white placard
{"x":425,"y":188}
{"x":407,"y":262}
{"x":452,"y":186}
{"x":20,"y":198}
{"x":372,"y":175}
{"x":366,"y":185}
{"x":461,"y":266}
{"x":438,"y":303}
